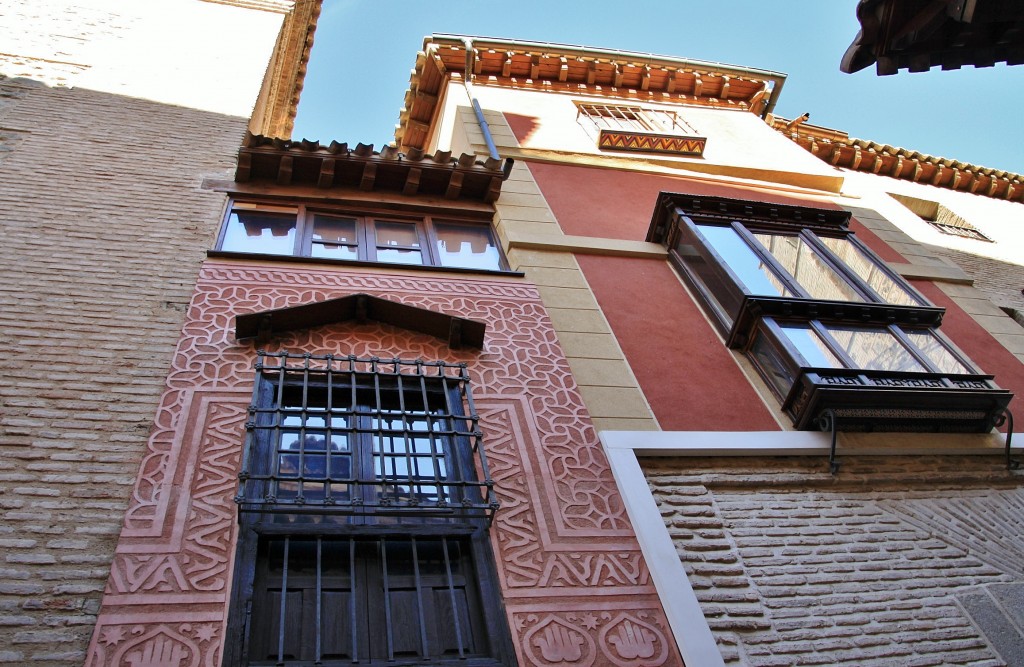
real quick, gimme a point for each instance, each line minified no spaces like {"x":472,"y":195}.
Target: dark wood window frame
{"x":366,"y":244}
{"x":943,"y":391}
{"x":440,"y":603}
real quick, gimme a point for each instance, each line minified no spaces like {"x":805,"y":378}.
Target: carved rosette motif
{"x":561,"y":532}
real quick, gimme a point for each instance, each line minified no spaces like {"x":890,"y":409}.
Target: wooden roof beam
{"x":618,"y":76}
{"x":506,"y":67}
{"x":698,"y":85}
{"x":243,"y":172}
{"x":724,"y":95}
{"x":645,"y":78}
{"x":563,"y":69}
{"x":412,"y":181}
{"x":369,"y":176}
{"x":326,"y":178}
{"x":454,"y":185}
{"x":284,"y":170}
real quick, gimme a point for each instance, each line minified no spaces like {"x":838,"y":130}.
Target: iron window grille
{"x":346,"y":600}
{"x":634,"y":128}
{"x":830,"y":328}
{"x":327,"y":234}
{"x":348,"y":436}
{"x":965,"y":230}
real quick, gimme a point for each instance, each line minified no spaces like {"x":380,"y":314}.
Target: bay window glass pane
{"x":936,"y":352}
{"x":875,"y":349}
{"x":810,"y":345}
{"x":868,"y":270}
{"x":817,"y":278}
{"x":270,"y":233}
{"x":755,"y":275}
{"x":467,"y":246}
{"x":334,"y":238}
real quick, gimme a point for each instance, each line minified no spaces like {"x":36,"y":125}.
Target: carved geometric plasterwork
{"x":576,"y":587}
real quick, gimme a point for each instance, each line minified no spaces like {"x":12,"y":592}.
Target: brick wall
{"x":1002,"y":282}
{"x":104,"y":226}
{"x":898,"y":560}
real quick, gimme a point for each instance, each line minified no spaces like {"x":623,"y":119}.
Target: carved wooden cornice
{"x":279,"y":98}
{"x":839,"y":149}
{"x":558,"y":67}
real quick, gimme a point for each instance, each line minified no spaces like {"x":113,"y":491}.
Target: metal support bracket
{"x":827,"y":422}
{"x":1007,"y":418}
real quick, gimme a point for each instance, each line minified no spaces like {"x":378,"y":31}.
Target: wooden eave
{"x":459,"y":332}
{"x":583,"y":71}
{"x":920,"y":34}
{"x":840,"y":150}
{"x":285,"y":163}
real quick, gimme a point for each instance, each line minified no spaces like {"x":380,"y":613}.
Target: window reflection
{"x":466,"y":246}
{"x":398,"y":242}
{"x":936,"y":352}
{"x":869,"y":271}
{"x":810,"y":345}
{"x":875,"y":349}
{"x":817,"y":278}
{"x":755,"y":275}
{"x":270,"y":233}
{"x":334,"y":238}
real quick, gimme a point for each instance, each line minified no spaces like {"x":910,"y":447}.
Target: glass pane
{"x":812,"y":273}
{"x":334,"y":238}
{"x":332,"y":251}
{"x":399,"y":256}
{"x":755,"y":275}
{"x":467,"y":246}
{"x":777,"y":366}
{"x":334,"y":230}
{"x":875,"y":349}
{"x":397,"y":234}
{"x":936,"y":352}
{"x":810,"y":345}
{"x":270,"y":233}
{"x":869,"y":271}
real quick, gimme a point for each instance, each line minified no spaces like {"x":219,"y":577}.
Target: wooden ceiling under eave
{"x":552,"y":67}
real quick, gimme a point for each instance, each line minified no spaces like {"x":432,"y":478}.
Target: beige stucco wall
{"x":201,"y":55}
{"x":739,"y":142}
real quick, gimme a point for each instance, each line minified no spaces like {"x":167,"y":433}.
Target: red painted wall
{"x":689,"y":377}
{"x":690,"y":380}
{"x":619,"y":204}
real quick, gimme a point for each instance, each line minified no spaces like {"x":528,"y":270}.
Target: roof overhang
{"x":581,"y":70}
{"x":840,"y":150}
{"x":285,"y":163}
{"x":920,"y":34}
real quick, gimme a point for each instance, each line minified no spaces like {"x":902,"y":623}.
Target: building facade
{"x":600,"y":364}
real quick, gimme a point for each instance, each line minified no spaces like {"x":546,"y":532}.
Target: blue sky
{"x":365,"y":49}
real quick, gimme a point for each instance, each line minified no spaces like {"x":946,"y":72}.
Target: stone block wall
{"x":104,"y":227}
{"x":896,"y":560}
